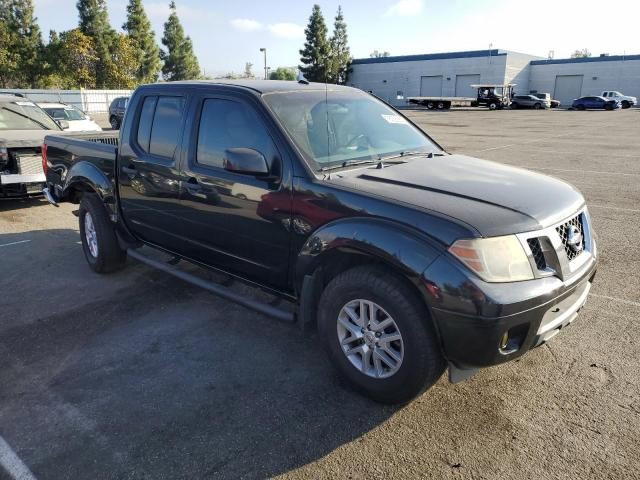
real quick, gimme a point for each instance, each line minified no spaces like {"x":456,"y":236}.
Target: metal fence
{"x":90,"y":101}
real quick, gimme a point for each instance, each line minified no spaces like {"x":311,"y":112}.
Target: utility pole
{"x":264,"y":50}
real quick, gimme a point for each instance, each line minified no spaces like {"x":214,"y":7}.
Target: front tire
{"x":97,"y":232}
{"x":625,"y":104}
{"x":115,"y":123}
{"x":493,"y":106}
{"x":537,"y":106}
{"x":379,"y":335}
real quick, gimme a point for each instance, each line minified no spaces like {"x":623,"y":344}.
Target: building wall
{"x":599,"y":75}
{"x":518,"y":71}
{"x":386,"y":78}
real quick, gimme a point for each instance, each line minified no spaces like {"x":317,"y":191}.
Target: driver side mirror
{"x":246,"y":161}
{"x":63,"y":124}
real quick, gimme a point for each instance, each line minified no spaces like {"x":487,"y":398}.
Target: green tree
{"x":247,"y":70}
{"x":180,"y":63}
{"x":340,"y":54}
{"x":377,"y":54}
{"x":94,"y":23}
{"x":77,"y":61}
{"x":8,"y":57}
{"x":584,"y":53}
{"x":315,"y":56}
{"x":283,"y":73}
{"x":123,"y":66}
{"x":142,"y":37}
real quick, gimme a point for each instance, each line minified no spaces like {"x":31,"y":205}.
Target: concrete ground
{"x":138,"y":375}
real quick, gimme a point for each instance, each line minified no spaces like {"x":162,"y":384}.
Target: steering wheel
{"x":354,"y":142}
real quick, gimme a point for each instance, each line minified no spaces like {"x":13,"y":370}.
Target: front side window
{"x":228,"y":124}
{"x":340,"y":126}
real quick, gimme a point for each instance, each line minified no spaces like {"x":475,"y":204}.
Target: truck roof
{"x":262,"y":86}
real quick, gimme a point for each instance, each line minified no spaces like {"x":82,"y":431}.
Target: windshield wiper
{"x":350,"y":163}
{"x":411,"y":153}
{"x":27,"y":117}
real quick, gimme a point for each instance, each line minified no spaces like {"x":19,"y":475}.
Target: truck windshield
{"x":338,"y":127}
{"x":65,"y":113}
{"x":24,"y":115}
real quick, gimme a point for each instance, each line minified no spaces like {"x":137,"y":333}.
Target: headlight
{"x":494,"y":259}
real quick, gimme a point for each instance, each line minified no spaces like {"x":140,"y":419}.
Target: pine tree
{"x":340,"y":54}
{"x":315,"y":56}
{"x":142,"y":37}
{"x":94,"y":23}
{"x":21,"y":46}
{"x":180,"y":63}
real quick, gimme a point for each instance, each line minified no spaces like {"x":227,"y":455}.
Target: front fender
{"x":400,"y":246}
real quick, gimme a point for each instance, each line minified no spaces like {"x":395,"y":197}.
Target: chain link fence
{"x":89,"y":101}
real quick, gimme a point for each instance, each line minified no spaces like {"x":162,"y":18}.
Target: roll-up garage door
{"x":431,"y":86}
{"x":463,"y":85}
{"x":568,"y":88}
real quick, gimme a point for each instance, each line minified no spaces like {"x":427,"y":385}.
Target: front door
{"x":236,"y":222}
{"x":149,"y":181}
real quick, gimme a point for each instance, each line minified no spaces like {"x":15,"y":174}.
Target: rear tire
{"x":493,"y":106}
{"x":608,"y":107}
{"x":625,"y":104}
{"x":537,"y":106}
{"x":514,"y":105}
{"x":98,"y":235}
{"x":347,"y":324}
{"x":580,"y":107}
{"x":114,"y":122}
{"x":430,"y":105}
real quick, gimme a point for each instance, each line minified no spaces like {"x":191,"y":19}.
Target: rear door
{"x":237,"y":222}
{"x":149,"y":182}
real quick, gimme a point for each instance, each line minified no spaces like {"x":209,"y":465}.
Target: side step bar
{"x":214,"y":288}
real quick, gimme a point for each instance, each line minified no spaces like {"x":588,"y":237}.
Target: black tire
{"x":493,"y":106}
{"x":537,"y":106}
{"x":608,"y":107}
{"x":625,"y":104}
{"x":422,"y":363}
{"x":110,"y":256}
{"x":430,"y":105}
{"x":514,"y":105}
{"x":114,"y":122}
{"x":440,"y":106}
{"x":580,"y":107}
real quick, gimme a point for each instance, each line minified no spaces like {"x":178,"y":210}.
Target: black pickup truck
{"x":406,"y":258}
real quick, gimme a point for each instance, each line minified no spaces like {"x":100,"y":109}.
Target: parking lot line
{"x":10,"y":461}
{"x":614,"y":208}
{"x":15,"y":243}
{"x":581,"y":171}
{"x":616,"y":299}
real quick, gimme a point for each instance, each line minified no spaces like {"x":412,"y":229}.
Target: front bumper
{"x":472,"y":317}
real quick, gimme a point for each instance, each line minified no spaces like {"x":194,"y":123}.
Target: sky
{"x":226,"y":34}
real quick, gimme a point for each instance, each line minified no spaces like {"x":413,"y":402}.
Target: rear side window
{"x":166,"y":126}
{"x":146,"y":121}
{"x":228,"y":124}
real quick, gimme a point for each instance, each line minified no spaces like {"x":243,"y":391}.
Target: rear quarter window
{"x":166,"y":126}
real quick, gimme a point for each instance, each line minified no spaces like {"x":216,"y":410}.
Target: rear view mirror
{"x":245,"y":160}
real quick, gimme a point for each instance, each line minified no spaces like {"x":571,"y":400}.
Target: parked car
{"x":78,"y":120}
{"x":625,"y":101}
{"x":408,"y":259}
{"x":116,"y":111}
{"x":547,"y":97}
{"x":23,"y":126}
{"x":529,"y":101}
{"x":599,"y":103}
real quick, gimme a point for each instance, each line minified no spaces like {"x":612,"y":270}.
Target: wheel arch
{"x":344,"y":244}
{"x":84,"y":177}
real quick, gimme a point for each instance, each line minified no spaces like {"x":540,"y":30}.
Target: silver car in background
{"x":529,"y":101}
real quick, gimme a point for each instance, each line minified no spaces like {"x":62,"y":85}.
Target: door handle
{"x":131,"y":171}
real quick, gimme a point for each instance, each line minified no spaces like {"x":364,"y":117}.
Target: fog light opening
{"x":511,"y":341}
{"x":504,"y":341}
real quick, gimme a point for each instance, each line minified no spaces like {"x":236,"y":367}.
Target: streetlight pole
{"x":264,"y":50}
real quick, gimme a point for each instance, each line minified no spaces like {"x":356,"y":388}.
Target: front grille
{"x":564,"y":229}
{"x":536,"y":250}
{"x":30,"y":164}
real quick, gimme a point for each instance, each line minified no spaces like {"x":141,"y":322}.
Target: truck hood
{"x":24,"y":138}
{"x":493,"y":198}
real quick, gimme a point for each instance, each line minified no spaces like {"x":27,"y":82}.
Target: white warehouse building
{"x":452,"y":74}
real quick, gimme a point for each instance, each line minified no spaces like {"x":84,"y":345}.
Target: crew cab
{"x":625,"y":101}
{"x":407,"y":259}
{"x":23,"y":126}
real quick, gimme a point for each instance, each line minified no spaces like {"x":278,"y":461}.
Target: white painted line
{"x":614,"y":208}
{"x":15,"y":243}
{"x":497,"y":148}
{"x":576,"y":170}
{"x":615,"y":299}
{"x":10,"y":461}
